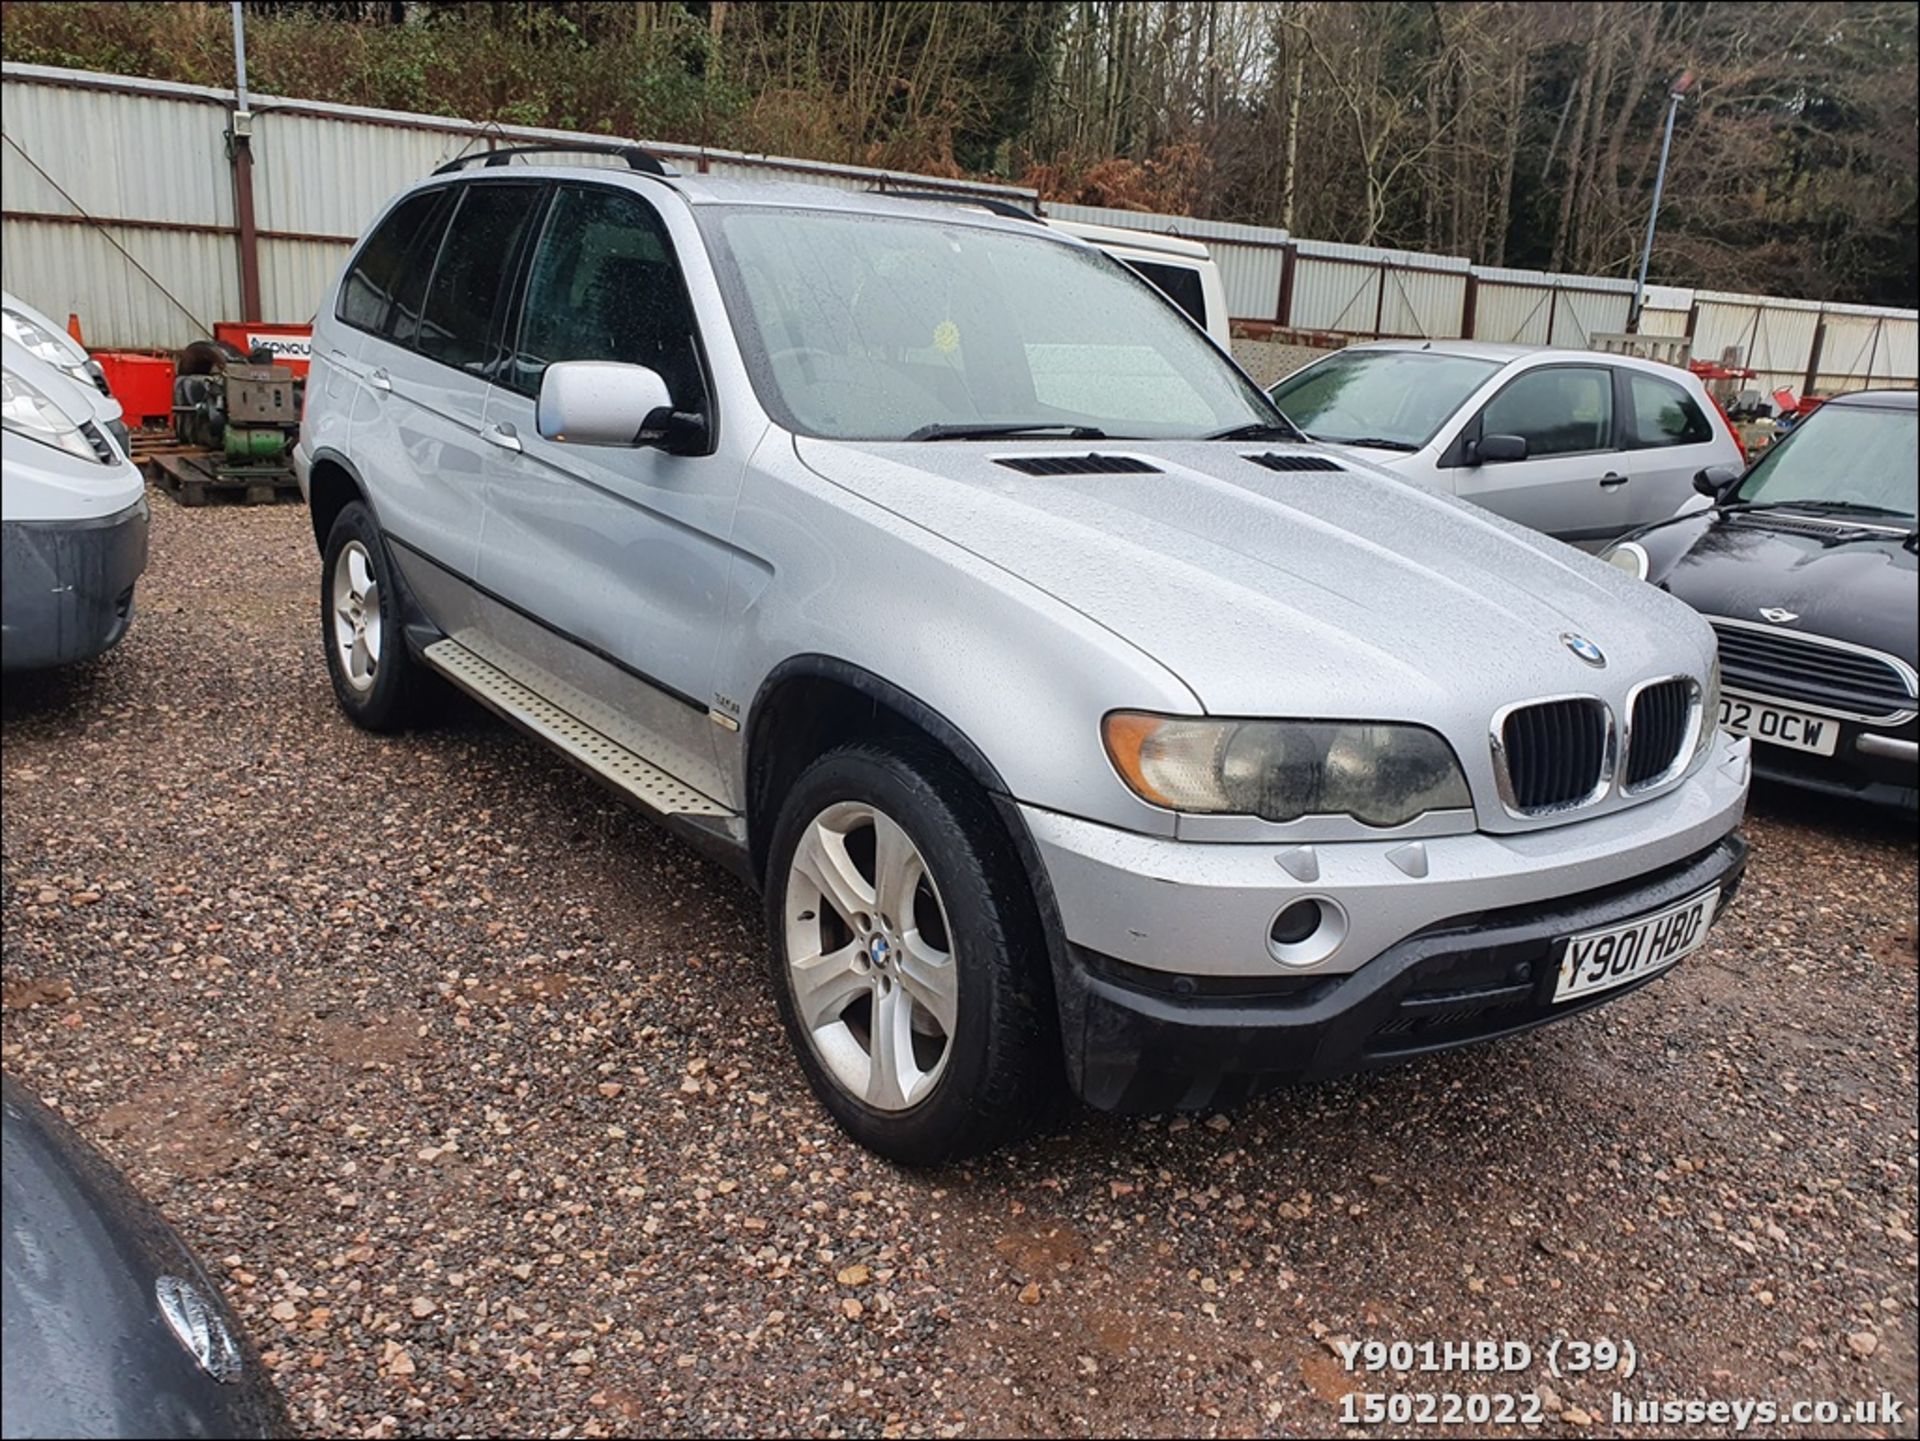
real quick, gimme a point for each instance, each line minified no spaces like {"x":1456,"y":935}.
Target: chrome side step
{"x":592,"y":751}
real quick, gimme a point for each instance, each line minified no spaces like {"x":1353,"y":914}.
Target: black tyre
{"x":378,"y":684}
{"x":907,"y":958}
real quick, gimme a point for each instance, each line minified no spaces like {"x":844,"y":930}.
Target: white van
{"x":1181,"y":268}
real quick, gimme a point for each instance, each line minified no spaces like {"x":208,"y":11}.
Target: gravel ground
{"x":467,"y":1083}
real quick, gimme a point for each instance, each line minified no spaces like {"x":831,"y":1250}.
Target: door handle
{"x":379,"y":380}
{"x":504,"y":436}
{"x":1612,"y":479}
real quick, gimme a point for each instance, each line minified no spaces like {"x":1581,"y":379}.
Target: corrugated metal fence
{"x":119,"y":196}
{"x":119,"y":205}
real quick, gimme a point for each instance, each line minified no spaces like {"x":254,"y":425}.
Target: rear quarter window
{"x":1663,"y":414}
{"x":399,"y":251}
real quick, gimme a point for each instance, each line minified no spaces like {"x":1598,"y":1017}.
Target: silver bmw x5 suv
{"x":1084,"y":729}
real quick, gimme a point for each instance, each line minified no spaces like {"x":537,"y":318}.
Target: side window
{"x":381,"y":266}
{"x":1664,"y":414}
{"x":1560,"y":410}
{"x":403,"y":323}
{"x":605,"y":286}
{"x":475,"y":259}
{"x":1179,"y":283}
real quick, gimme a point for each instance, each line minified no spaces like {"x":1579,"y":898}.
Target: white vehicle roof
{"x":1169,"y":245}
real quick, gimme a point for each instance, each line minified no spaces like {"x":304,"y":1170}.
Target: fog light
{"x":1307,"y":931}
{"x":1296,"y":923}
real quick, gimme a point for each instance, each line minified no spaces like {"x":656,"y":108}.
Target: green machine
{"x":249,"y":414}
{"x":241,"y":417}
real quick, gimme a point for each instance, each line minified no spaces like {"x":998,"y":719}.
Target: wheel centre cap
{"x":879,"y":950}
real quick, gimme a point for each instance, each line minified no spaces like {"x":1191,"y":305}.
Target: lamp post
{"x":1674,"y":97}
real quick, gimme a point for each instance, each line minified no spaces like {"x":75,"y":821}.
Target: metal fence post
{"x":1289,"y":258}
{"x":240,"y":152}
{"x":1813,"y":355}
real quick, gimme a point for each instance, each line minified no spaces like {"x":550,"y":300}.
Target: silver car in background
{"x":1581,"y":445}
{"x":73,"y":520}
{"x":1084,"y":728}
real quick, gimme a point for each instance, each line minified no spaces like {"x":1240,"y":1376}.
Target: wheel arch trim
{"x":418,"y":629}
{"x":818,"y":666}
{"x":330,"y":455}
{"x":949,"y":736}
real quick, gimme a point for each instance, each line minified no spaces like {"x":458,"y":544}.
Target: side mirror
{"x":1716,"y":482}
{"x":607,"y":402}
{"x":1491,"y":449}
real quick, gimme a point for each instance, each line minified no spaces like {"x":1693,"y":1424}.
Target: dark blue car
{"x":111,"y":1328}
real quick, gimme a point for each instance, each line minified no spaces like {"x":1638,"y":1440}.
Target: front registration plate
{"x":1776,"y":725}
{"x":1601,"y":960}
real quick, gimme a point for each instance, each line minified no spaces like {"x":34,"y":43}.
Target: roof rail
{"x":950,"y":197}
{"x":637,"y":158}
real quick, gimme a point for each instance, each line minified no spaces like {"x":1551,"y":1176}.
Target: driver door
{"x":611,"y":561}
{"x":1575,"y":479}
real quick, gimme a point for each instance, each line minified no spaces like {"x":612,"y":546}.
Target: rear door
{"x":1574,"y":482}
{"x":417,"y":433}
{"x":345,"y":397}
{"x":1670,"y":438}
{"x":611,"y":561}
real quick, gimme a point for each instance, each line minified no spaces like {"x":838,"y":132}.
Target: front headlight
{"x":26,"y":411}
{"x":1630,"y":557}
{"x":57,"y":350}
{"x":1381,"y":774}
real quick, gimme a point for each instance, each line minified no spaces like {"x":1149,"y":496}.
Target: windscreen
{"x":864,"y":327}
{"x":1399,"y":397}
{"x":1849,"y":455}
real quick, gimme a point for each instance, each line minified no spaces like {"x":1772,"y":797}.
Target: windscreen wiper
{"x":1261,"y":430}
{"x":939,"y":430}
{"x":1372,"y":442}
{"x":1856,"y":507}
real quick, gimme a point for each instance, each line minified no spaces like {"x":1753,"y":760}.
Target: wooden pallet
{"x":147,"y":446}
{"x":189,"y":477}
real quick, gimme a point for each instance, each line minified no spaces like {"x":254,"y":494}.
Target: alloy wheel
{"x":356,"y":615}
{"x":869,"y":957}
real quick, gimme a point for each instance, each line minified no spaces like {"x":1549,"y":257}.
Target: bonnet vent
{"x":1077,"y":465}
{"x":1293,"y":462}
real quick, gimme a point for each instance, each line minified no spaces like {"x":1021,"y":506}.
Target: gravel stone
{"x":430,"y":1018}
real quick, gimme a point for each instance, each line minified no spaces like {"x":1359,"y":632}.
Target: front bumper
{"x":66,"y":586}
{"x":1873,"y":765}
{"x":1206,"y":909}
{"x":1139,"y":1040}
